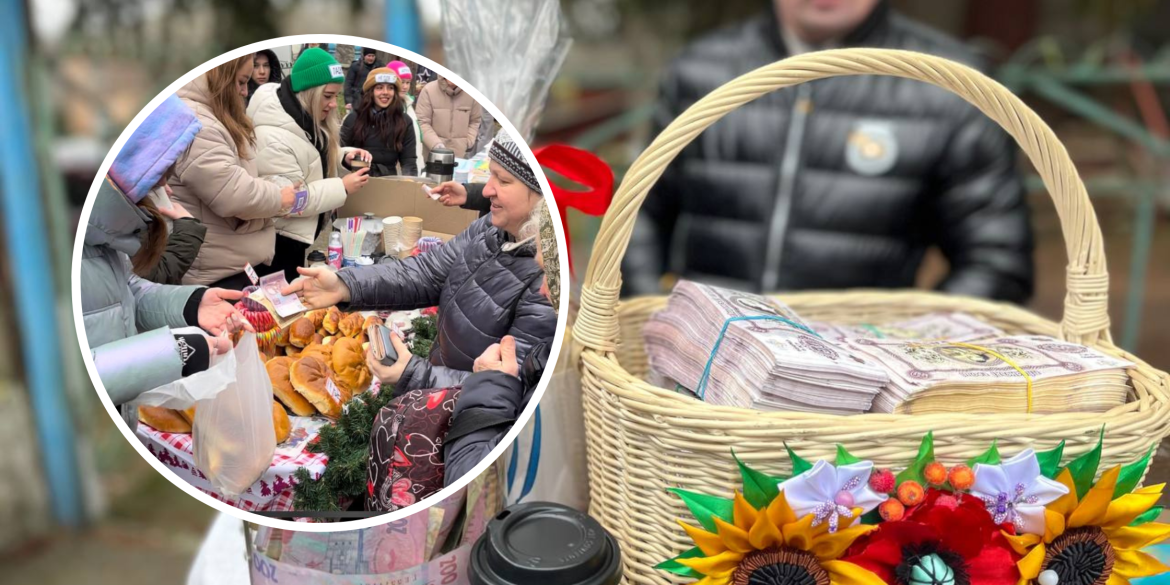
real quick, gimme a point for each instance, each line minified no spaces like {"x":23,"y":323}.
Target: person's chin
{"x":498,"y":220}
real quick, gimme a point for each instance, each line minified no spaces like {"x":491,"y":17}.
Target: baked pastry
{"x":329,"y":339}
{"x":282,"y":387}
{"x":332,"y":318}
{"x":310,"y":378}
{"x":282,"y":337}
{"x":189,"y":414}
{"x":349,"y":365}
{"x":324,"y":352}
{"x":317,"y":316}
{"x":318,"y":338}
{"x":164,"y":419}
{"x":351,"y":325}
{"x":292,"y":351}
{"x":371,"y":321}
{"x":280,"y":422}
{"x":301,"y":332}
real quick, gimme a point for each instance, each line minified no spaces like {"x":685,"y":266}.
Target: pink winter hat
{"x":400,"y":69}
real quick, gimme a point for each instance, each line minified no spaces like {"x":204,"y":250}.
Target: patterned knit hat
{"x":380,"y":75}
{"x":505,"y":152}
{"x":315,"y":67}
{"x":549,"y":254}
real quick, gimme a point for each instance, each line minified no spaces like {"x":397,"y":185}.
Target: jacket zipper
{"x":778,"y":228}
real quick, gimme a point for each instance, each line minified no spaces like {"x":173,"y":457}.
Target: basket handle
{"x":1086,"y":317}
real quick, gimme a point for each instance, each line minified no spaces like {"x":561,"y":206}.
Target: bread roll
{"x":280,"y":422}
{"x":317,"y":316}
{"x":318,"y":338}
{"x":323,"y":352}
{"x":351,"y":325}
{"x":164,"y":419}
{"x":282,"y":387}
{"x":189,"y":414}
{"x":332,"y":318}
{"x":371,"y":321}
{"x":309,"y":376}
{"x":349,"y":365}
{"x":282,"y":337}
{"x":329,"y":339}
{"x":292,"y":351}
{"x":301,"y":332}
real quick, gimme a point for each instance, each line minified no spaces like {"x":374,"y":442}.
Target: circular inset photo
{"x":318,"y":289}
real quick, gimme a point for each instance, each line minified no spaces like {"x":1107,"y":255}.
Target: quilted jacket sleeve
{"x":158,"y":305}
{"x":276,"y":157}
{"x":211,"y":171}
{"x":130,"y":366}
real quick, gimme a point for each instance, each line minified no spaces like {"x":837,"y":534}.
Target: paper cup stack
{"x":391,"y":233}
{"x":411,"y":232}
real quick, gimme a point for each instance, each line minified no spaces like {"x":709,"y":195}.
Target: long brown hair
{"x":152,"y":249}
{"x":228,"y":105}
{"x":390,"y":125}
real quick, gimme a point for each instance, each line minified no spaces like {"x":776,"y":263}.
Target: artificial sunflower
{"x":773,"y":546}
{"x":1094,"y":540}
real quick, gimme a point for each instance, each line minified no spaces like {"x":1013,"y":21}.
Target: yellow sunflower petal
{"x":1065,"y":504}
{"x":764,"y":533}
{"x":1091,"y":510}
{"x":1115,"y":579}
{"x":832,"y":546}
{"x":1023,"y":543}
{"x":1133,"y":563}
{"x":1137,"y":537}
{"x":720,"y":578}
{"x":709,"y":543}
{"x":780,"y":512}
{"x":720,"y":563}
{"x":1030,"y":565}
{"x":799,"y":534}
{"x":843,"y":573}
{"x":1123,"y":510}
{"x":743,"y":513}
{"x":1053,"y":525}
{"x":733,"y":537}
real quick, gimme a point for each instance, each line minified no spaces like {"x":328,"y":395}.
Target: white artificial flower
{"x":1015,"y":492}
{"x":830,"y":493}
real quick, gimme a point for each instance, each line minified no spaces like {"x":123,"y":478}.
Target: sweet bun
{"x":292,"y":351}
{"x":371,"y":321}
{"x":317,"y":316}
{"x":282,"y":337}
{"x":189,"y":414}
{"x":301,"y":332}
{"x":164,"y":419}
{"x":309,"y":376}
{"x":349,"y":365}
{"x":332,"y":318}
{"x":282,"y":387}
{"x":318,"y":338}
{"x":323,"y":352}
{"x":280,"y":422}
{"x":351,"y":325}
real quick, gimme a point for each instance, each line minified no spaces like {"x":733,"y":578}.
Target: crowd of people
{"x":203,"y":198}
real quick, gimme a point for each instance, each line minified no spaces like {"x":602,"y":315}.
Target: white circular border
{"x":422,"y":505}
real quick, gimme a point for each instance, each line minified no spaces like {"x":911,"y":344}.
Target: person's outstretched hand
{"x":393,"y":373}
{"x":217,"y":313}
{"x":451,"y":194}
{"x":321,"y":288}
{"x":499,"y":357}
{"x":175,"y":211}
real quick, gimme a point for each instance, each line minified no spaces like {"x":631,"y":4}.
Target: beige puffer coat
{"x":283,"y":149}
{"x":447,"y":116}
{"x":220,"y":188}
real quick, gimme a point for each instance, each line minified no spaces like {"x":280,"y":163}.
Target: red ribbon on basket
{"x":585,"y":169}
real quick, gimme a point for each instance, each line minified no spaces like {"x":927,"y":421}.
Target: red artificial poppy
{"x":959,"y":534}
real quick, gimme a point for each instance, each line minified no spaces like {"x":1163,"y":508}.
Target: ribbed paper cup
{"x":391,"y":233}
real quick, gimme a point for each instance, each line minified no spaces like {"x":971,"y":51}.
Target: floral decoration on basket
{"x":989,"y":521}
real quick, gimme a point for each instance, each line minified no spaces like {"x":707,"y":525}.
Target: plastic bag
{"x":184,"y":392}
{"x":234,"y":437}
{"x":511,"y":50}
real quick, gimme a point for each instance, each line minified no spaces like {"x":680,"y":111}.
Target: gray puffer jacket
{"x":127,"y":319}
{"x":483,"y":294}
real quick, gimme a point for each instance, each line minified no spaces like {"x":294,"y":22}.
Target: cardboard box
{"x":403,"y":196}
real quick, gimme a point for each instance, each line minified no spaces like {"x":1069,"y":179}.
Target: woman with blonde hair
{"x":297,"y":140}
{"x":216,"y":181}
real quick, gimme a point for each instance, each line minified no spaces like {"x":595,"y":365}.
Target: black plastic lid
{"x":316,"y":255}
{"x":539,"y":543}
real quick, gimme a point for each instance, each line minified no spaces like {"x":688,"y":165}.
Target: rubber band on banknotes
{"x":702,"y":386}
{"x":1006,"y":361}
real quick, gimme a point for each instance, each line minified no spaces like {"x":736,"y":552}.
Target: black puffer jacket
{"x":483,"y":294}
{"x":386,"y":157}
{"x":838,"y":183}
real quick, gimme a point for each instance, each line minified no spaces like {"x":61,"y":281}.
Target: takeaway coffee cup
{"x":540,"y":543}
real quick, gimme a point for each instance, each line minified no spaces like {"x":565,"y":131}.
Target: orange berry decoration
{"x":935,"y":473}
{"x":961,"y":477}
{"x":910,"y":493}
{"x":892,"y":510}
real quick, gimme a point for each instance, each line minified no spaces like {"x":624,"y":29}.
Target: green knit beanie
{"x":315,"y":67}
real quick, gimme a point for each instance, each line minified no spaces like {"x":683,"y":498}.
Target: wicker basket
{"x":642,"y":439}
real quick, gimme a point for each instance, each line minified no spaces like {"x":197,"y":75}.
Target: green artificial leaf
{"x":677,"y":568}
{"x":1084,"y":468}
{"x":925,"y":456}
{"x":705,"y":507}
{"x":759,"y":488}
{"x":799,"y":465}
{"x":1050,"y":461}
{"x":1131,"y":474}
{"x":989,"y":457}
{"x":1147,"y":516}
{"x":872,"y":517}
{"x":844,"y":457}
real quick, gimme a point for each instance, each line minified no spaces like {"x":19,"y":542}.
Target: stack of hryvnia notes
{"x":769,"y":358}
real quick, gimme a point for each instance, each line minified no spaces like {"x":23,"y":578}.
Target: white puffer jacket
{"x":283,"y":149}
